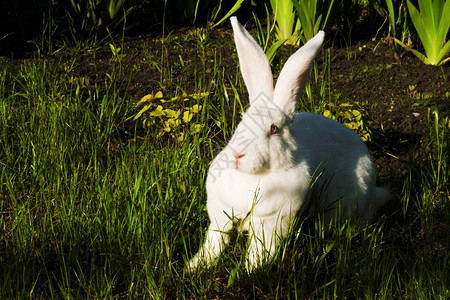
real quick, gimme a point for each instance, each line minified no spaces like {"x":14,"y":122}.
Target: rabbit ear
{"x":293,"y":76}
{"x":255,"y":67}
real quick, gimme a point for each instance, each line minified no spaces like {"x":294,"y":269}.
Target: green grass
{"x":90,"y":208}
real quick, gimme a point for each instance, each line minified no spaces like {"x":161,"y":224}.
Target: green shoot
{"x":432,"y":24}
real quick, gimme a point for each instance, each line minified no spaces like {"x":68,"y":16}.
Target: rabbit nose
{"x":237,"y":157}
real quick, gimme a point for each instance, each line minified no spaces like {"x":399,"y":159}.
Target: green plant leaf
{"x":235,"y":7}
{"x":419,"y":24}
{"x":150,"y":98}
{"x":171,"y":124}
{"x":157,"y":112}
{"x":170,"y":113}
{"x":114,"y":8}
{"x":195,"y":128}
{"x":143,"y":110}
{"x":432,"y":25}
{"x":187,"y":116}
{"x":145,"y":99}
{"x":273,"y":49}
{"x":168,"y":119}
{"x":189,"y":113}
{"x":419,"y":55}
{"x":443,"y":52}
{"x":199,"y":95}
{"x":310,"y":16}
{"x":444,"y":61}
{"x":196,"y":108}
{"x":391,"y":14}
{"x":284,"y":18}
{"x":159,"y":94}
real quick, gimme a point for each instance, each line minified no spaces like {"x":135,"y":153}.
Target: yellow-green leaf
{"x":180,"y":137}
{"x":187,"y":116}
{"x":356,"y":114}
{"x":347,"y":115}
{"x":145,"y":99}
{"x":365,"y":136}
{"x":144,"y":109}
{"x":199,"y":95}
{"x":350,"y":125}
{"x":195,"y":109}
{"x":344,"y":105}
{"x":114,"y":50}
{"x":195,"y":128}
{"x":170,"y":113}
{"x":171,"y":123}
{"x":157,"y":112}
{"x":167,"y":127}
{"x":328,"y":114}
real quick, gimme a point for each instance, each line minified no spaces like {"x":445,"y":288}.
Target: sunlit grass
{"x":92,"y":209}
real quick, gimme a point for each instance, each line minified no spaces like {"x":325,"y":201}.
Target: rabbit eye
{"x":273,"y":129}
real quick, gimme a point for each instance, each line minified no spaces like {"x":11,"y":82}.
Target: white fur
{"x":265,"y":179}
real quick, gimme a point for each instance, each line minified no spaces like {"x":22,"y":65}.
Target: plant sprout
{"x":432,"y":24}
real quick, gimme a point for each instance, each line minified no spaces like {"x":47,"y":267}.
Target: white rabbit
{"x":264,"y":174}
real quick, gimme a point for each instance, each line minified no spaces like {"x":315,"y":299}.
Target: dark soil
{"x":397,"y":95}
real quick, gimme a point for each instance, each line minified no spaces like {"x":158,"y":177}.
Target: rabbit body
{"x":263,"y":177}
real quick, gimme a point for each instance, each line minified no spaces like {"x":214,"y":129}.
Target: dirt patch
{"x":397,"y":95}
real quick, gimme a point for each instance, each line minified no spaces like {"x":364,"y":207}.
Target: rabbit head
{"x":263,"y":139}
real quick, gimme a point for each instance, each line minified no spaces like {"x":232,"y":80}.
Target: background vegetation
{"x":103,"y":165}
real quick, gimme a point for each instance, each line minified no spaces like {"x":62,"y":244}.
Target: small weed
{"x":351,"y":55}
{"x":375,"y":69}
{"x":82,"y":82}
{"x":116,"y":53}
{"x":350,"y":117}
{"x":170,"y":122}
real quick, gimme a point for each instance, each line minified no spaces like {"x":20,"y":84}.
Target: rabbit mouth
{"x":246,"y":165}
{"x":237,"y":159}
